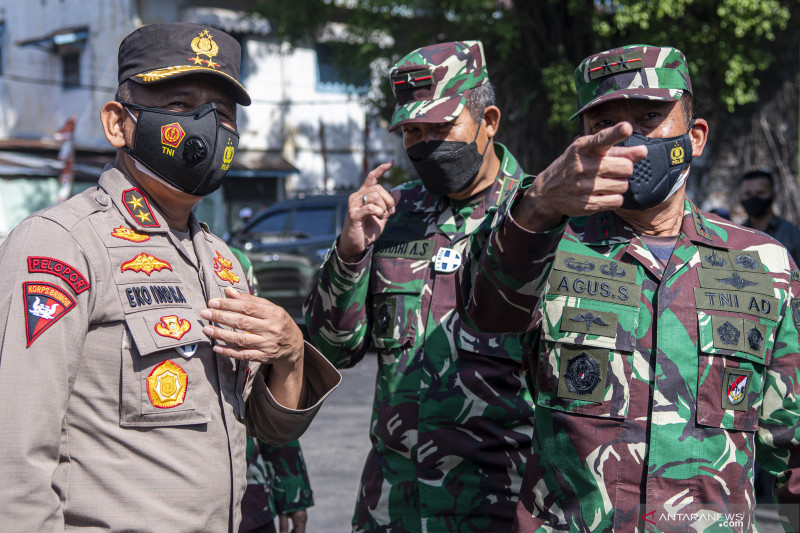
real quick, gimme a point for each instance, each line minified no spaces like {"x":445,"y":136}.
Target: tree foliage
{"x":532,"y":48}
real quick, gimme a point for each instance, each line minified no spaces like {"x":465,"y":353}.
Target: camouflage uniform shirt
{"x":452,"y":418}
{"x":653,"y":386}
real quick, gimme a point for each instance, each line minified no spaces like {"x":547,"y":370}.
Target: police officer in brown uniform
{"x":132,"y":358}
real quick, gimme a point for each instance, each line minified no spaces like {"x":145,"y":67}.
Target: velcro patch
{"x":45,"y":304}
{"x":595,"y":266}
{"x":404,"y":249}
{"x":748,"y":303}
{"x":795,"y":305}
{"x":582,"y":373}
{"x":48,"y":265}
{"x":628,"y":60}
{"x":591,"y":322}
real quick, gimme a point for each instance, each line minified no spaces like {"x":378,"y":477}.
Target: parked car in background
{"x":287,"y":243}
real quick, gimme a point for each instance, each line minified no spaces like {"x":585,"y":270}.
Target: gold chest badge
{"x":172,"y":326}
{"x":128,"y":234}
{"x":166,"y":385}
{"x":145,"y":263}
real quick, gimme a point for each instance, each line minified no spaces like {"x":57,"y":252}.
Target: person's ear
{"x":112,"y":117}
{"x":491,"y":115}
{"x":698,"y":132}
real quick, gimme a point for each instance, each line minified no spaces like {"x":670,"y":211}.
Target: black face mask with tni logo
{"x":190,"y":150}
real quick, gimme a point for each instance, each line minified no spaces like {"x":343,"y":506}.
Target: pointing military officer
{"x":133,"y":360}
{"x":451,"y":423}
{"x":663,"y":341}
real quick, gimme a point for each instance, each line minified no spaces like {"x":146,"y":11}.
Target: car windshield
{"x":273,"y":223}
{"x":315,"y":221}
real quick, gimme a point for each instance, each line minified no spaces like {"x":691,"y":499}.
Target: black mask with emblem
{"x":655,"y":178}
{"x":190,"y":150}
{"x":447,"y":167}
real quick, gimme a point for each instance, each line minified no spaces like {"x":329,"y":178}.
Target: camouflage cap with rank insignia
{"x":431,"y":83}
{"x":160,"y":52}
{"x":634,"y":71}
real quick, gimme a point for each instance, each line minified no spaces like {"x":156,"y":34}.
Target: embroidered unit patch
{"x":735,"y":384}
{"x":48,"y":265}
{"x":128,"y":234}
{"x":172,"y":326}
{"x":139,"y":208}
{"x":145,"y":263}
{"x":45,"y":304}
{"x":167,"y":385}
{"x":223,"y":268}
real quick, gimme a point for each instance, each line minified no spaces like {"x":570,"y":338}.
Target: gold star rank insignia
{"x":137,"y":205}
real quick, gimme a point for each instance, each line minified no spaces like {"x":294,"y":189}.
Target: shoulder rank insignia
{"x":139,"y":208}
{"x":129,"y":235}
{"x":145,"y":263}
{"x":48,"y":265}
{"x":172,"y":326}
{"x":223,"y":268}
{"x":166,"y":385}
{"x":45,"y":304}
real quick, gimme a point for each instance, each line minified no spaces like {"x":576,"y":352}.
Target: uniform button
{"x":102,"y":200}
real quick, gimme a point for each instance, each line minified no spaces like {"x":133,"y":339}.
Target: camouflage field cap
{"x":633,"y":71}
{"x":431,"y":83}
{"x":160,"y":52}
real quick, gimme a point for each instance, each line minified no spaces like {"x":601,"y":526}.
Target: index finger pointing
{"x":608,"y":137}
{"x":377,"y":173}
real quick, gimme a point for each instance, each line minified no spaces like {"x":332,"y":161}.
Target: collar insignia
{"x":139,"y":208}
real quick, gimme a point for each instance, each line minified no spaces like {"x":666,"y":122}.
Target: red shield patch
{"x":45,"y":304}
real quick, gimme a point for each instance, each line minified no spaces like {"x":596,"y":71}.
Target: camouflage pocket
{"x":734,"y":354}
{"x":583,"y":379}
{"x":395,"y":286}
{"x":587,"y":321}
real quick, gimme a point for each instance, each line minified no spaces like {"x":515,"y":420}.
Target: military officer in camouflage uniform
{"x":662,"y":350}
{"x":277,"y":479}
{"x":132,"y":359}
{"x":451,"y":423}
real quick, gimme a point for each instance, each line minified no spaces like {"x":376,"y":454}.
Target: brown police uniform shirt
{"x":116,"y":413}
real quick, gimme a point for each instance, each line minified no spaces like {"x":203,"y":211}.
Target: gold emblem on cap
{"x":166,"y":385}
{"x":203,"y":44}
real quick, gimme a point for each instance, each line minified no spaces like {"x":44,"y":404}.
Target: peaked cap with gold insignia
{"x":160,"y":52}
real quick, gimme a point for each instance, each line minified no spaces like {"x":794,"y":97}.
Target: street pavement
{"x":336,"y":445}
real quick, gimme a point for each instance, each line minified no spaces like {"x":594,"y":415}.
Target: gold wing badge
{"x":204,"y":45}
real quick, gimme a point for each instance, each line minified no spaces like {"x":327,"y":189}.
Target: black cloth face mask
{"x":655,"y":177}
{"x":756,"y":206}
{"x":447,"y":167}
{"x":191,"y":150}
